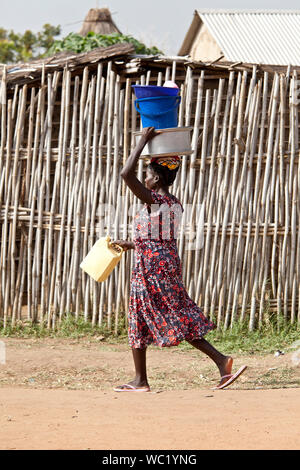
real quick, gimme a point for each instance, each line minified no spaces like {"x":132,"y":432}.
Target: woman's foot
{"x":225,"y":368}
{"x":133,"y":386}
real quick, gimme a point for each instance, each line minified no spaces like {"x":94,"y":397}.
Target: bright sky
{"x":163,"y":23}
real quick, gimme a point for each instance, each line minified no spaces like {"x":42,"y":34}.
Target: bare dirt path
{"x":57,"y":394}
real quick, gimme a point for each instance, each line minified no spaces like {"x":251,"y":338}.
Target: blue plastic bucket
{"x":159,"y":112}
{"x":147,"y":91}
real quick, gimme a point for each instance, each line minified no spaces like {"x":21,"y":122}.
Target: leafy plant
{"x":16,"y":47}
{"x":76,"y":43}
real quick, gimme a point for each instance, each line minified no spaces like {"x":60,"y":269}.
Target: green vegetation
{"x":237,"y":339}
{"x":69,"y":327}
{"x":77,"y":43}
{"x":273,"y":335}
{"x":16,"y":47}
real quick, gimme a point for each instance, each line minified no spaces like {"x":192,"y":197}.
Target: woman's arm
{"x":128,"y":171}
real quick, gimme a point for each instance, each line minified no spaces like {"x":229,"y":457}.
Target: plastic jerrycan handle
{"x":110,"y":245}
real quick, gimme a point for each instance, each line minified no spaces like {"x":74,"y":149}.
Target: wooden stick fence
{"x":62,"y":147}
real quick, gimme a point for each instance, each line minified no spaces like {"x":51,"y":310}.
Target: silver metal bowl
{"x":168,"y":142}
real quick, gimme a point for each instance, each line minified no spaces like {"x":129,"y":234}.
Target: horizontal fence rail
{"x":63,"y":145}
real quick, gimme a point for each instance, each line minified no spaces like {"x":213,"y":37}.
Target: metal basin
{"x":173,"y":141}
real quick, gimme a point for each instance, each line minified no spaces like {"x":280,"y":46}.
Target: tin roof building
{"x":249,"y":36}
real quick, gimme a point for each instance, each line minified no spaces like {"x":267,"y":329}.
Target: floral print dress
{"x":160,"y":309}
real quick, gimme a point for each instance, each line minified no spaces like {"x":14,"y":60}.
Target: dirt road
{"x":57,"y":394}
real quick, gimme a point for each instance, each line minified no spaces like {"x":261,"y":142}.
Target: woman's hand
{"x":147,"y":134}
{"x":126,"y":245}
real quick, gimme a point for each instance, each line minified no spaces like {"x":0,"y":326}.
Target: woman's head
{"x":158,"y":176}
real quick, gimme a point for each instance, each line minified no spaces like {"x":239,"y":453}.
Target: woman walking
{"x":161,"y":311}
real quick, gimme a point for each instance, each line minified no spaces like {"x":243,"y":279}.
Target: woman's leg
{"x":224,"y":363}
{"x":139,"y":359}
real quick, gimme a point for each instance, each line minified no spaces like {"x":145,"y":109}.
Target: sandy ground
{"x":57,"y":394}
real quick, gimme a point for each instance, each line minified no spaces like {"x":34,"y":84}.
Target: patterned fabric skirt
{"x":160,"y":310}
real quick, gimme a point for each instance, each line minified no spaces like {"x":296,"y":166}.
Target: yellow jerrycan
{"x":102,"y":259}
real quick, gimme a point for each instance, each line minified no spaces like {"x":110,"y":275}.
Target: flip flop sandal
{"x":231,"y":378}
{"x":131,"y":388}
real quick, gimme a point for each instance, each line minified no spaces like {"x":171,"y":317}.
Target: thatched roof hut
{"x":99,"y":21}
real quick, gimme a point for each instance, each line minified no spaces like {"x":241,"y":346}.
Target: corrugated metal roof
{"x":256,"y":36}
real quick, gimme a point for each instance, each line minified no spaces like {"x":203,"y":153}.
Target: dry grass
{"x":63,"y":363}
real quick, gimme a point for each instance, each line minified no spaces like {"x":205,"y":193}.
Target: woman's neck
{"x":163,"y":190}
